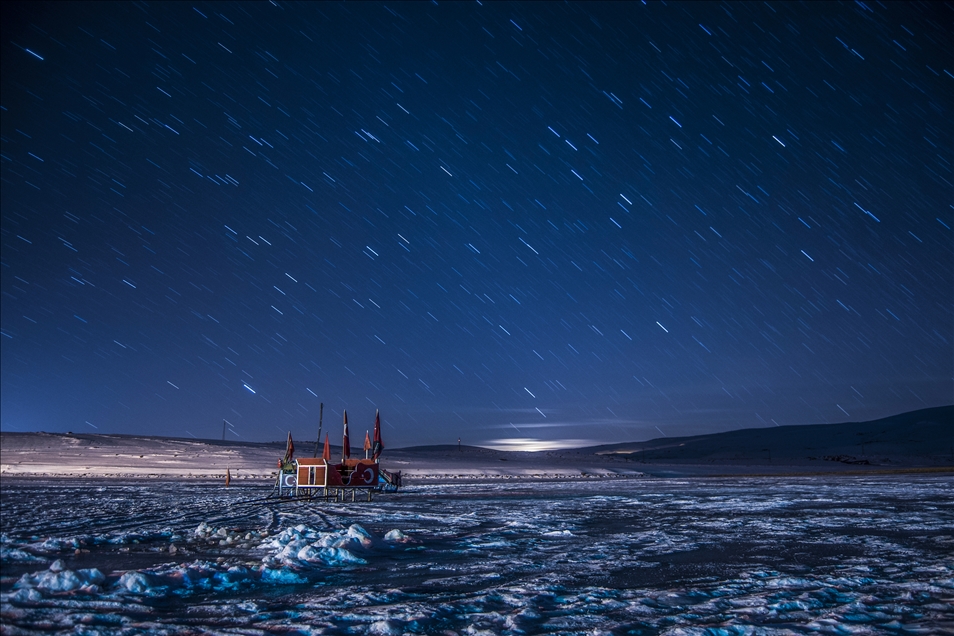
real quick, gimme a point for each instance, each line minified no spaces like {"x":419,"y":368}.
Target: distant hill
{"x":917,"y":438}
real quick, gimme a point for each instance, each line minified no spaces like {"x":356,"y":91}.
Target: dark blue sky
{"x":591,"y":222}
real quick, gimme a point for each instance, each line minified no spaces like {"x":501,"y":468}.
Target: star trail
{"x":510,"y":223}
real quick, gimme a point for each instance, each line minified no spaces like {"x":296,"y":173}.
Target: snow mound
{"x":329,"y":556}
{"x":396,"y":536}
{"x":59,"y":580}
{"x":137,"y":583}
{"x":300,"y":547}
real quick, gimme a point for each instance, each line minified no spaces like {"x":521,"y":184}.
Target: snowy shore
{"x":86,"y":456}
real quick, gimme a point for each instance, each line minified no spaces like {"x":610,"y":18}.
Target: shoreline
{"x":474,"y":478}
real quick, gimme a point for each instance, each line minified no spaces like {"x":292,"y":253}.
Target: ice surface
{"x":746,"y":556}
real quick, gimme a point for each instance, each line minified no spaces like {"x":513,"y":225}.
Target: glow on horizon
{"x":530,"y":444}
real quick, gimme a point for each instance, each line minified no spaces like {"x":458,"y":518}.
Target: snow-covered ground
{"x":836,"y":554}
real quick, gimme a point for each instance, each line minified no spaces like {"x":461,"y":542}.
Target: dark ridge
{"x":926,"y":433}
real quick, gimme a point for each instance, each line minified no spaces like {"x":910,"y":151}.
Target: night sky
{"x":569,"y":223}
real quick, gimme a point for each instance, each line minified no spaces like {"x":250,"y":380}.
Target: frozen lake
{"x":872,"y":555}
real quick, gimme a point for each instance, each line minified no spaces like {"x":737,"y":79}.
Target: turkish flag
{"x":326,"y":454}
{"x":289,"y":449}
{"x":378,"y":444}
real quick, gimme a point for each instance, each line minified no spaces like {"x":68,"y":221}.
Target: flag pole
{"x":321,"y":410}
{"x":346,"y":441}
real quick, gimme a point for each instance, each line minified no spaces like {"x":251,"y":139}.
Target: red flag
{"x":378,"y":444}
{"x":367,"y":442}
{"x":289,"y":449}
{"x":326,"y":454}
{"x":346,"y":442}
